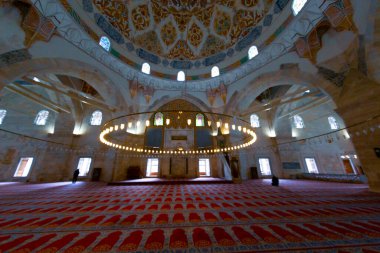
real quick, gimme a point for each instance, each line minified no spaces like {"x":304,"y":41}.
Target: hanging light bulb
{"x":167,"y":122}
{"x":122,"y":126}
{"x":147,"y":122}
{"x":138,"y":123}
{"x":129,"y":124}
{"x":225,"y":125}
{"x":239,"y":128}
{"x":233,"y":127}
{"x":218,"y":123}
{"x":189,"y":122}
{"x":244,"y":130}
{"x":209,"y":123}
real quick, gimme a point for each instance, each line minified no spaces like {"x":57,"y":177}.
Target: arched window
{"x":158,"y":119}
{"x":215,"y":71}
{"x":2,"y":115}
{"x":96,"y":118}
{"x":333,"y":123}
{"x":252,"y":52}
{"x":297,"y":6}
{"x":105,"y":43}
{"x":255,"y":122}
{"x":298,"y":121}
{"x":181,"y":76}
{"x":41,"y":118}
{"x":199,"y":120}
{"x":145,"y":68}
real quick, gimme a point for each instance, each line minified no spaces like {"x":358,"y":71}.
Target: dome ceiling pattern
{"x":184,"y":29}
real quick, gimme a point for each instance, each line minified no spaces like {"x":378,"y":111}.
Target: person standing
{"x":75,"y":176}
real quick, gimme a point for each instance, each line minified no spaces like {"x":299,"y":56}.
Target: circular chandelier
{"x":116,"y":132}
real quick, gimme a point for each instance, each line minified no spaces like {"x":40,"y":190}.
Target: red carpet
{"x":298,"y":216}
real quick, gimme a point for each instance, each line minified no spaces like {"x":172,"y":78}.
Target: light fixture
{"x":111,"y":133}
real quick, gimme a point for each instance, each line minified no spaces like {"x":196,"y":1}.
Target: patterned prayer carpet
{"x":297,"y":216}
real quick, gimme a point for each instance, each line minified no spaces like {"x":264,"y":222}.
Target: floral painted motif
{"x":227,"y":19}
{"x":140,"y":17}
{"x":195,"y":35}
{"x":222,"y":23}
{"x":168,"y":33}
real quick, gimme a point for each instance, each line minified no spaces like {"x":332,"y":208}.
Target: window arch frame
{"x":298,"y":122}
{"x":297,"y":6}
{"x":105,"y":43}
{"x":254,"y":120}
{"x":145,"y":68}
{"x":334,"y":125}
{"x":253,"y":51}
{"x":3,"y":113}
{"x":155,"y":119}
{"x":98,"y":121}
{"x":215,"y":71}
{"x":196,"y":120}
{"x":181,"y":76}
{"x":41,"y":118}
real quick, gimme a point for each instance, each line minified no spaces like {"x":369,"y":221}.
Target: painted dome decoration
{"x":184,"y":29}
{"x":189,"y":35}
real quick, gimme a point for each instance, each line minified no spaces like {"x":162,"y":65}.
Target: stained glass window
{"x":96,"y":118}
{"x":199,"y":120}
{"x":2,"y":115}
{"x":255,"y":122}
{"x":41,"y":118}
{"x":105,"y":43}
{"x":298,"y":121}
{"x":158,"y":119}
{"x":333,"y":123}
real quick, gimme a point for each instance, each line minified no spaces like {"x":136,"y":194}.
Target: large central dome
{"x":183,"y":29}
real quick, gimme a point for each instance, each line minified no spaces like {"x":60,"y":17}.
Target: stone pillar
{"x":359,"y":106}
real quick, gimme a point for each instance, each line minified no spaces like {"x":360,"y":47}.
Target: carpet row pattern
{"x":298,"y":216}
